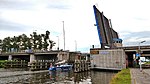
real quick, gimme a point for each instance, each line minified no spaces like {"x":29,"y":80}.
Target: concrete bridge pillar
{"x":59,"y":55}
{"x":32,"y":58}
{"x":63,"y":55}
{"x":68,"y":56}
{"x":10,"y":57}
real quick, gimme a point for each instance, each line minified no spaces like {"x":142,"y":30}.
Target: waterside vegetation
{"x":122,"y":77}
{"x":147,"y":63}
{"x":2,"y":62}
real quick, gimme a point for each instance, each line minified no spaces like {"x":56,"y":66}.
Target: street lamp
{"x":75,"y":45}
{"x":58,"y":42}
{"x":63,"y":34}
{"x":139,"y":45}
{"x":140,"y":63}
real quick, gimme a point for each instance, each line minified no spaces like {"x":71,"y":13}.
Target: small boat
{"x":63,"y":67}
{"x":52,"y":68}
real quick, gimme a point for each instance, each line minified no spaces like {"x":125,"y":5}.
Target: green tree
{"x":1,"y":43}
{"x":0,"y":40}
{"x":24,"y":39}
{"x":19,"y":41}
{"x":35,"y":36}
{"x":52,"y":44}
{"x":39,"y":38}
{"x":45,"y":43}
{"x":29,"y":43}
{"x":22,"y":42}
{"x":6,"y":46}
{"x":47,"y":34}
{"x":15,"y":46}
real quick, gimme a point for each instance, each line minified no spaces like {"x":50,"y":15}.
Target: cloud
{"x":34,"y":4}
{"x":141,"y":19}
{"x":133,"y":38}
{"x":16,"y":4}
{"x":58,"y":4}
{"x":52,"y":6}
{"x":11,"y":26}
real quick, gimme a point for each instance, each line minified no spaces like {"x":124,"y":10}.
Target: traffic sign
{"x":137,"y":55}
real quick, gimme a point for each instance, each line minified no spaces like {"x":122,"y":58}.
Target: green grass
{"x":2,"y":63}
{"x":2,"y":60}
{"x":147,"y":63}
{"x":122,"y":77}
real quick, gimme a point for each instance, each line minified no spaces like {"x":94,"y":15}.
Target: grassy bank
{"x":122,"y":77}
{"x":147,"y":63}
{"x":2,"y":63}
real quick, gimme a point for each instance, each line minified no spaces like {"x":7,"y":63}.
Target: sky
{"x":130,"y":18}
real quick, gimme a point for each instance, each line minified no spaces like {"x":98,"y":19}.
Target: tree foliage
{"x":23,"y":42}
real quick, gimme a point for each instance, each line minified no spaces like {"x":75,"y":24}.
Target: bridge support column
{"x":63,"y":55}
{"x":32,"y":58}
{"x":59,"y":55}
{"x":10,"y":57}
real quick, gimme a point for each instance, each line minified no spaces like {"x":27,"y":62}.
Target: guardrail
{"x":16,"y":64}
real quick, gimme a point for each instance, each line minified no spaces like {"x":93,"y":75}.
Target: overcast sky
{"x":130,"y":18}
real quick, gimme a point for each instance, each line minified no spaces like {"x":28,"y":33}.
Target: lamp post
{"x":63,"y":34}
{"x":58,"y":42}
{"x":140,"y":63}
{"x":75,"y":45}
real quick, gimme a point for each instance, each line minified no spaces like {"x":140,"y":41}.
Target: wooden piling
{"x":40,"y":65}
{"x":81,"y":65}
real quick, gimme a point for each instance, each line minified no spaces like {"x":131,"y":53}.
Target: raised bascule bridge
{"x":112,"y":55}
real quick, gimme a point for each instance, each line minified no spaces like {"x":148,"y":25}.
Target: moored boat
{"x":63,"y":67}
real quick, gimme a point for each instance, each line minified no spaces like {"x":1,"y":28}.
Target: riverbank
{"x":8,"y":72}
{"x":122,"y":77}
{"x":136,"y":76}
{"x":12,"y":75}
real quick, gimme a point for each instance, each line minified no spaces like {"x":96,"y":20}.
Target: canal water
{"x":59,"y":77}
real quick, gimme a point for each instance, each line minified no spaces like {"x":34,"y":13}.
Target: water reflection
{"x":82,"y":77}
{"x":58,"y":77}
{"x":101,"y":77}
{"x":70,"y":77}
{"x":61,"y":77}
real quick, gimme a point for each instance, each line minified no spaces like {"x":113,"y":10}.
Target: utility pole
{"x":140,"y":61}
{"x":64,"y":34}
{"x":58,"y":42}
{"x":139,"y":46}
{"x":75,"y":45}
